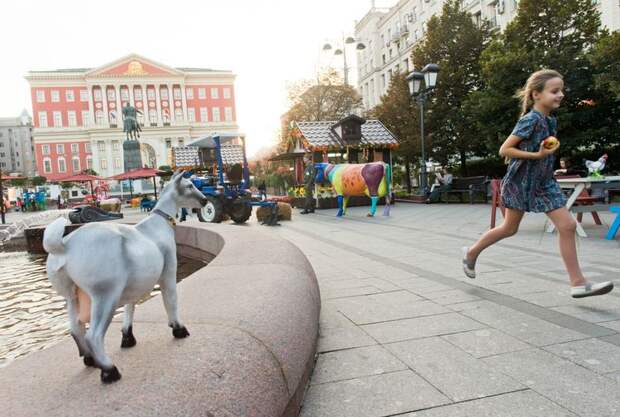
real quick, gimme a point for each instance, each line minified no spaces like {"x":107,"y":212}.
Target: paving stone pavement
{"x":404,"y":333}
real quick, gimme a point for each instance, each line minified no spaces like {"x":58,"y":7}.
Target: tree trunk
{"x":408,"y":174}
{"x":463,"y":164}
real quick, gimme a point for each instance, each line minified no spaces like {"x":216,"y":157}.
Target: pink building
{"x":77,"y":112}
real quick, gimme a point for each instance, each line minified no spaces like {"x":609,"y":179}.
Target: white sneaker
{"x":589,"y":289}
{"x":468,"y":267}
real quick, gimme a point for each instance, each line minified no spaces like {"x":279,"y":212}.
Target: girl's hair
{"x":536,"y":82}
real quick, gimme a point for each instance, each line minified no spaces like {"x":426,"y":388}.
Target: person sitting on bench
{"x":444,"y":183}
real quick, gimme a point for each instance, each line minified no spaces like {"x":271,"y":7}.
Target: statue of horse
{"x":130,"y":122}
{"x":102,"y":266}
{"x":372,"y":179}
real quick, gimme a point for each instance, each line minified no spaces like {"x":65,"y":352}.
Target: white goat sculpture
{"x":102,"y":266}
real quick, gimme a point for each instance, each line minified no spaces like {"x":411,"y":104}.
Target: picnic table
{"x":580,"y":184}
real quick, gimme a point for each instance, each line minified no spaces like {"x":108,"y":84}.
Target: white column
{"x":110,"y":158}
{"x":171,"y":105}
{"x":104,"y":97}
{"x":119,"y":106}
{"x":158,"y":104}
{"x":145,"y":106}
{"x":91,"y":104}
{"x":131,"y":100}
{"x":184,"y":103}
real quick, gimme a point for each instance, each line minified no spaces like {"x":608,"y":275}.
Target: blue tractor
{"x":226,"y":179}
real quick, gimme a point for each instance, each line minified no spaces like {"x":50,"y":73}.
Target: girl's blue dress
{"x":529,"y":184}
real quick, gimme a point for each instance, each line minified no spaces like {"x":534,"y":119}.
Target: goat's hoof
{"x":89,"y":361}
{"x":128,"y":339}
{"x":110,"y":375}
{"x":180,"y":332}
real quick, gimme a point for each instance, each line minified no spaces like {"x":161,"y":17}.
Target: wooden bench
{"x":469,"y":186}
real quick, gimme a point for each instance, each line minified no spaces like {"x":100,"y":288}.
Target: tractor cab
{"x":226,"y":179}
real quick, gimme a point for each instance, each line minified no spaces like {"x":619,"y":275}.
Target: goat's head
{"x":184,"y":193}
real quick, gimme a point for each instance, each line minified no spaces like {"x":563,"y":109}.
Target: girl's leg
{"x":508,"y":228}
{"x":566,"y":225}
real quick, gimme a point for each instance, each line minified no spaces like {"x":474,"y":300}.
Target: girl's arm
{"x":510,"y":150}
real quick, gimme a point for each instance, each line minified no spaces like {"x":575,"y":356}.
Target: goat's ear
{"x":178,"y":178}
{"x":177,"y":173}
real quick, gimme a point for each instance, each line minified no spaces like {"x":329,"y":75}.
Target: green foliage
{"x":66,"y":185}
{"x":553,"y":34}
{"x":455,"y":43}
{"x":89,"y":171}
{"x":37,"y":181}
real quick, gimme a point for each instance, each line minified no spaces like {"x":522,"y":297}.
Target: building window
{"x":103,"y":163}
{"x":181,"y":142}
{"x":117,"y":162}
{"x":88,"y":148}
{"x":101,"y":146}
{"x":112,"y":117}
{"x":62,"y":165}
{"x":69,"y":95}
{"x":75,"y":164}
{"x":163,"y":93}
{"x":111,"y":94}
{"x":84,"y":96}
{"x":203,"y":115}
{"x":191,"y":114}
{"x":55,"y":96}
{"x":226,"y":92}
{"x":168,"y":143}
{"x":2,"y":154}
{"x":74,"y":148}
{"x":72,"y":118}
{"x":189,"y":92}
{"x":153,"y":116}
{"x":150,"y":93}
{"x":42,"y":119}
{"x":97,"y":94}
{"x":85,"y":118}
{"x":99,"y":117}
{"x":45,"y":149}
{"x":177,"y":93}
{"x":115,"y":145}
{"x":89,"y":163}
{"x":137,"y":94}
{"x":202,"y":93}
{"x":57,"y":119}
{"x":40,"y":96}
{"x":60,"y":149}
{"x":124,"y":94}
{"x":178,"y":114}
{"x":216,"y":114}
{"x":228,"y":114}
{"x":215,"y":93}
{"x":47,"y":165}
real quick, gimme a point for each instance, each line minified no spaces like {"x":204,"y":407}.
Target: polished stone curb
{"x":253,"y":316}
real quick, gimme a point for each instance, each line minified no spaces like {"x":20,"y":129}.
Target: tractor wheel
{"x":212,"y":211}
{"x":240,"y":212}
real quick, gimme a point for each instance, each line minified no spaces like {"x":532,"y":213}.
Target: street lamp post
{"x":428,"y":76}
{"x":342,"y":51}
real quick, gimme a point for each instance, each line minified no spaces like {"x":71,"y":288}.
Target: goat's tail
{"x":52,"y":237}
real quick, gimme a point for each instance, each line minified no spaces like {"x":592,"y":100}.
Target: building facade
{"x":390,"y":34}
{"x":77,"y":113}
{"x":16,"y":145}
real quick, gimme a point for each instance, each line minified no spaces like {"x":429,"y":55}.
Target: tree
{"x":553,"y":34}
{"x":455,"y":43}
{"x":397,"y":114}
{"x":326,"y":98}
{"x":89,"y":171}
{"x":605,"y":57}
{"x":39,"y":180}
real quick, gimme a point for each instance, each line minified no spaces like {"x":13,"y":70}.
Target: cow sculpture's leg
{"x":168,"y":284}
{"x":345,"y":203}
{"x":373,"y":205}
{"x":128,"y":339}
{"x":340,"y":206}
{"x":102,"y":311}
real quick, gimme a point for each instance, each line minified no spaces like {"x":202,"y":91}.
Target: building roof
{"x":232,"y":154}
{"x":187,"y":156}
{"x":321,"y":135}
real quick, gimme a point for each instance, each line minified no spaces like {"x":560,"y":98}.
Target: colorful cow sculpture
{"x":372,"y":179}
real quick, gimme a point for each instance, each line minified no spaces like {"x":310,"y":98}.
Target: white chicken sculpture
{"x":595,"y":167}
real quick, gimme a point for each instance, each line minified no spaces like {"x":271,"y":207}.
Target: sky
{"x":268,"y":44}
